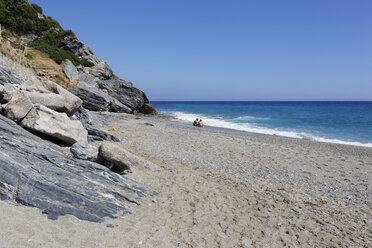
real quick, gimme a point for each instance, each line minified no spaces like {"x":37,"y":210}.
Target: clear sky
{"x":229,"y":50}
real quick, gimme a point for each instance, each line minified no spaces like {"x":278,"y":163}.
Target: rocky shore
{"x":220,"y":189}
{"x":86,"y":162}
{"x":45,"y":158}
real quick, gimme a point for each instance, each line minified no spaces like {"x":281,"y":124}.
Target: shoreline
{"x":326,"y":140}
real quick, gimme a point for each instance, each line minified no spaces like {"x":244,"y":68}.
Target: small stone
{"x":84,"y":151}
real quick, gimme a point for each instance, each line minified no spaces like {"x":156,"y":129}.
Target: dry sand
{"x":221,"y":189}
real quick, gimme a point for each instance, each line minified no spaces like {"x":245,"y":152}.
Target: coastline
{"x":322,"y":140}
{"x":220,"y":188}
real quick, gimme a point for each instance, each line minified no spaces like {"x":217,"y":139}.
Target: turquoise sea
{"x":335,"y":122}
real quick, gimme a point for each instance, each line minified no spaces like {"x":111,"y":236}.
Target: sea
{"x":347,"y":123}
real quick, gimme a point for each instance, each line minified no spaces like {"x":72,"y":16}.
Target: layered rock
{"x":93,"y":65}
{"x":36,"y":173}
{"x":115,"y":95}
{"x":93,"y":98}
{"x":8,"y":76}
{"x":55,"y":125}
{"x":112,"y":95}
{"x":124,"y":92}
{"x":84,"y":151}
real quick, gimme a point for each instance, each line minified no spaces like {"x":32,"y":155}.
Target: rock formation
{"x":36,"y":173}
{"x":37,"y":115}
{"x":92,"y":64}
{"x":115,"y":95}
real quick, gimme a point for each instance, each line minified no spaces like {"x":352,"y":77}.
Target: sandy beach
{"x":219,"y":188}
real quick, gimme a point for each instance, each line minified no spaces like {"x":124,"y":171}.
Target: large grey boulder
{"x":37,"y":173}
{"x":18,"y":106}
{"x":54,"y":124}
{"x":84,"y":151}
{"x":51,"y":95}
{"x":93,"y":65}
{"x":96,"y":99}
{"x":123,"y":159}
{"x":93,"y":98}
{"x":110,"y":95}
{"x":124,"y":92}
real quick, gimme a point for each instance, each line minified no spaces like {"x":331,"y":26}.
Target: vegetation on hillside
{"x":48,"y":43}
{"x":22,"y":17}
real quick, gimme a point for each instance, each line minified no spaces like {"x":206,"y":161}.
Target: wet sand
{"x":221,"y":189}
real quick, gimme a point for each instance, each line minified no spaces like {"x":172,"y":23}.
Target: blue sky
{"x":229,"y":50}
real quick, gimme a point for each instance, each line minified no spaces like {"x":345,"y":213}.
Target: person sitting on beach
{"x":196,"y":122}
{"x":201,"y":124}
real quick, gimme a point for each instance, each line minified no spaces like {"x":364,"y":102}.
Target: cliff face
{"x":91,"y":63}
{"x":96,"y":80}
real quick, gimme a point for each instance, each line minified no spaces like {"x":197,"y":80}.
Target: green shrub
{"x":48,"y":44}
{"x":29,"y":56}
{"x":21,"y":17}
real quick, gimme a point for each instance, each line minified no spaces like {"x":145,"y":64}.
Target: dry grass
{"x":44,"y":66}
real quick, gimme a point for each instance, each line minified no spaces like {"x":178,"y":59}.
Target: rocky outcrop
{"x":115,"y":95}
{"x":53,"y":124}
{"x":112,"y":95}
{"x":36,"y":173}
{"x":123,"y":160}
{"x":51,"y":95}
{"x":92,"y":64}
{"x":124,"y":92}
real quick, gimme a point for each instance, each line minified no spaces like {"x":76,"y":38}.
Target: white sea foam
{"x":249,"y":118}
{"x":246,"y":127}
